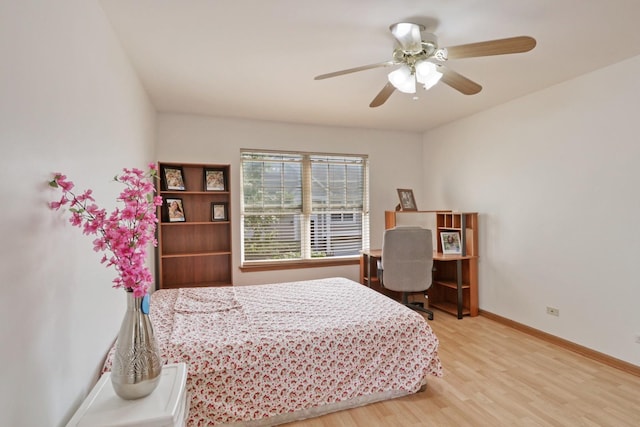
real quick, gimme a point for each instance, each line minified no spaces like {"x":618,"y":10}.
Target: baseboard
{"x":584,"y":351}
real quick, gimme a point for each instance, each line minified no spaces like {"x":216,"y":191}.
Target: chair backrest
{"x":407,"y":259}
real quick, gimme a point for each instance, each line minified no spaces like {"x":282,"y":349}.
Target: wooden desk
{"x":369,"y":273}
{"x":368,"y":266}
{"x":455,"y":281}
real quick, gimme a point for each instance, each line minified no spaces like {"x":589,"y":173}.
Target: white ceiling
{"x":257,"y":58}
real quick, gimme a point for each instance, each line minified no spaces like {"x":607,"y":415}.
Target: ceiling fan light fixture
{"x":420,"y":60}
{"x":403,"y":79}
{"x":427,"y":73}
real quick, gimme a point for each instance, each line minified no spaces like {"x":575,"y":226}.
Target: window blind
{"x":299,"y":206}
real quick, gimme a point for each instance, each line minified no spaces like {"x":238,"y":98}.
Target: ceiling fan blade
{"x":458,"y":81}
{"x":492,"y":47}
{"x":383,"y":95}
{"x":408,"y":36}
{"x":353,"y":70}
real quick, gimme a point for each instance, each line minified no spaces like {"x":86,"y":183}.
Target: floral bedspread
{"x":259,"y":354}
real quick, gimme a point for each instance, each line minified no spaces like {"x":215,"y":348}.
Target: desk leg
{"x":365,"y":269}
{"x":459,"y":286}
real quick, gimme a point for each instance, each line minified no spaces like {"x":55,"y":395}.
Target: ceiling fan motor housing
{"x":429,"y":43}
{"x":408,"y":36}
{"x":428,"y":49}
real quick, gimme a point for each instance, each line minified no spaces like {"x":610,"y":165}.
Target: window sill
{"x":289,"y":265}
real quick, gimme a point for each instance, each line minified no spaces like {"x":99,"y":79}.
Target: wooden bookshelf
{"x":195,"y":252}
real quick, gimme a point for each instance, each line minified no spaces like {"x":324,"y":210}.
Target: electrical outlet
{"x":553,"y":311}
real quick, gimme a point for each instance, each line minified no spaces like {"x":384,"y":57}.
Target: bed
{"x":264,"y":355}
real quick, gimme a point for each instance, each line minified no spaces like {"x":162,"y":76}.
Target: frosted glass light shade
{"x":427,"y":74}
{"x":403,"y":80}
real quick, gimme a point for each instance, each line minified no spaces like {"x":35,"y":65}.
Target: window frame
{"x":307,"y":213}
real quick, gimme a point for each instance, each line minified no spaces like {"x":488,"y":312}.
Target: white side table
{"x":167,"y":406}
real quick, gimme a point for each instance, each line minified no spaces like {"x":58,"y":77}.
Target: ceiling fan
{"x":422,"y":61}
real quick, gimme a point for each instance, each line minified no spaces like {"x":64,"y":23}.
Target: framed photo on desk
{"x":451,"y":243}
{"x":407,"y":201}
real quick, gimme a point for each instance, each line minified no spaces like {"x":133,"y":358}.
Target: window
{"x":303,"y":206}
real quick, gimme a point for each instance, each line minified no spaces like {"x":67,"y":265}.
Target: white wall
{"x":69,"y":102}
{"x":395,"y":162}
{"x":554,"y":176}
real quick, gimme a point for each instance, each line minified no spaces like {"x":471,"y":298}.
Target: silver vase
{"x":136,"y":367}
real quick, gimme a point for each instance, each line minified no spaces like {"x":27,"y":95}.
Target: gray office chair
{"x":407,"y":262}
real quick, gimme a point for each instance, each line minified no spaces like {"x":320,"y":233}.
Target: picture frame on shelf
{"x":451,"y":243}
{"x":215,"y":179}
{"x":174,"y":210}
{"x":407,"y":201}
{"x":172,"y":178}
{"x":219,"y":211}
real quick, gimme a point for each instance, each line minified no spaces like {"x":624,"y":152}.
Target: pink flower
{"x":76,"y":219}
{"x":125,"y":232}
{"x":61,"y":180}
{"x":85,"y":196}
{"x":100,"y":245}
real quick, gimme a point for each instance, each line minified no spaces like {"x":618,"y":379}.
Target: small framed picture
{"x":215,"y":180}
{"x":174,"y":210}
{"x":219,"y":212}
{"x":407,"y":201}
{"x":451,"y":242}
{"x":173,"y":178}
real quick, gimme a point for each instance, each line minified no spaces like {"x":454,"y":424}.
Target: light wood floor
{"x":495,"y":375}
